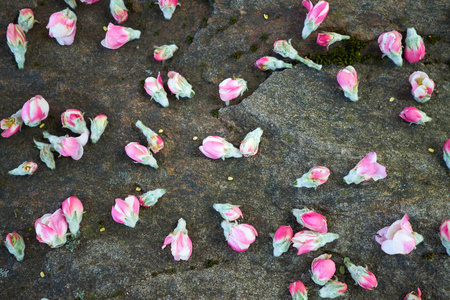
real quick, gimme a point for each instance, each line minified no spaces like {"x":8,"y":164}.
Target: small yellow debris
{"x":42,"y":274}
{"x":195,"y":138}
{"x":431,"y":150}
{"x":391,"y":99}
{"x":102,"y":229}
{"x":29,"y":229}
{"x":138,"y":189}
{"x":160,"y":131}
{"x":266,"y":16}
{"x":230,"y":178}
{"x":42,"y":125}
{"x":105,"y":28}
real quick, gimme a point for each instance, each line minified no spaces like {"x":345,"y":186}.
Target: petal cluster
{"x":366,"y":169}
{"x":51,"y":229}
{"x":421,"y":86}
{"x":390,"y":44}
{"x":12,"y":124}
{"x":126,"y":211}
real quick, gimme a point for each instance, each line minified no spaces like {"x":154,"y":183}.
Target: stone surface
{"x":306,"y":121}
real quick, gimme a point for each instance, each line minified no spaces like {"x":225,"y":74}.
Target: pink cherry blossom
{"x":414,"y":295}
{"x":414,"y":115}
{"x":390,"y":44}
{"x":366,"y":169}
{"x":126,"y":212}
{"x":316,"y":15}
{"x":11,"y":125}
{"x":228,"y":211}
{"x":239,"y":237}
{"x":271,"y":63}
{"x":168,"y":7}
{"x":313,"y":178}
{"x":322,"y":269}
{"x":298,"y":291}
{"x":26,"y":168}
{"x":415,"y":49}
{"x":362,"y":276}
{"x":306,"y":241}
{"x":15,"y":244}
{"x":444,"y":232}
{"x":422,"y":86}
{"x":311,"y":220}
{"x":73,"y":211}
{"x":26,"y":19}
{"x":51,"y":229}
{"x":154,"y":87}
{"x":250,"y":144}
{"x":230,"y":89}
{"x":164,"y":52}
{"x":348,"y":80}
{"x":179,"y":241}
{"x":215,"y":147}
{"x":118,"y":11}
{"x":34,"y":111}
{"x":326,"y":39}
{"x":282,"y":240}
{"x":17,"y":43}
{"x":62,"y":26}
{"x":140,"y":154}
{"x":117,"y":36}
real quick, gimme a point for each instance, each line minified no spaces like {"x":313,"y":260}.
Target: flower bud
{"x":34,"y":111}
{"x":51,"y":229}
{"x":179,"y":86}
{"x":150,"y":198}
{"x":366,"y":169}
{"x":444,"y":232}
{"x":46,"y":154}
{"x":73,"y":120}
{"x":26,"y":19}
{"x":415,"y":49}
{"x":322,"y":269}
{"x":215,"y":147}
{"x":66,"y":146}
{"x":333,"y":289}
{"x":230,"y":89}
{"x":316,"y":176}
{"x":316,"y":14}
{"x":12,"y":124}
{"x":118,"y":11}
{"x":414,"y":115}
{"x":228,"y":211}
{"x":306,"y":241}
{"x":390,"y":44}
{"x":15,"y":244}
{"x":26,"y":168}
{"x":326,"y":39}
{"x":154,"y":87}
{"x":164,"y":52}
{"x":168,"y":7}
{"x":413,"y":295}
{"x":140,"y":154}
{"x":73,"y":211}
{"x":310,"y":219}
{"x":63,"y":26}
{"x":422,"y":86}
{"x":117,"y":36}
{"x":98,"y":126}
{"x":348,"y":80}
{"x":71,"y":3}
{"x":250,"y":144}
{"x":271,"y":63}
{"x":126,"y":212}
{"x":179,"y":241}
{"x":298,"y":291}
{"x":362,"y":276}
{"x":239,"y":236}
{"x":282,"y":240}
{"x":285,"y":49}
{"x":17,"y":43}
{"x":155,"y":142}
{"x":446,"y":153}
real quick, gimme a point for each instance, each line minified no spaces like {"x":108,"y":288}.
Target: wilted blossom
{"x":415,"y":49}
{"x":348,"y":80}
{"x":26,"y":168}
{"x":230,"y":89}
{"x":98,"y":126}
{"x":66,"y":146}
{"x":306,"y":241}
{"x":179,"y":241}
{"x":298,"y":291}
{"x":11,"y":125}
{"x":310,"y":219}
{"x":154,"y":87}
{"x":34,"y":111}
{"x":282,"y":240}
{"x":361,"y":275}
{"x":399,"y":238}
{"x":118,"y":11}
{"x":179,"y":86}
{"x":414,"y":115}
{"x":73,"y":120}
{"x":271,"y":63}
{"x":322,"y":269}
{"x":250,"y":144}
{"x":446,"y":153}
{"x":17,"y":43}
{"x":117,"y":36}
{"x":71,"y":3}
{"x":15,"y":244}
{"x":140,"y":154}
{"x":316,"y":176}
{"x":444,"y":232}
{"x":366,"y":169}
{"x":285,"y":49}
{"x":168,"y":7}
{"x":391,"y":45}
{"x":150,"y":198}
{"x":215,"y":147}
{"x":228,"y":211}
{"x":316,"y":14}
{"x":239,"y":236}
{"x":126,"y":212}
{"x":73,"y":211}
{"x":333,"y":289}
{"x":414,"y":295}
{"x":155,"y":142}
{"x":62,"y":26}
{"x":164,"y":52}
{"x":422,"y":86}
{"x":26,"y":19}
{"x":326,"y":39}
{"x":46,"y":154}
{"x":51,"y":229}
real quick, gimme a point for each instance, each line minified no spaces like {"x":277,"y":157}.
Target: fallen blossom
{"x":215,"y":147}
{"x":414,"y":295}
{"x":415,"y":49}
{"x":298,"y":291}
{"x":239,"y":236}
{"x":444,"y":232}
{"x":228,"y":212}
{"x":326,"y":39}
{"x":117,"y":36}
{"x":34,"y":111}
{"x":164,"y":52}
{"x":26,"y":168}
{"x":51,"y":229}
{"x":390,"y":44}
{"x":271,"y":63}
{"x":12,"y":124}
{"x":316,"y":15}
{"x":313,"y":178}
{"x":348,"y":80}
{"x":311,"y":219}
{"x":66,"y":146}
{"x":366,"y":169}
{"x":250,"y":144}
{"x":140,"y":154}
{"x":17,"y":43}
{"x":422,"y":86}
{"x":62,"y":26}
{"x":118,"y":11}
{"x":154,"y":87}
{"x":98,"y":126}
{"x":307,"y":241}
{"x":413,"y":115}
{"x":168,"y":7}
{"x":73,"y":120}
{"x":333,"y":289}
{"x":230,"y":89}
{"x":179,"y":86}
{"x":73,"y":211}
{"x":282,"y":240}
{"x":322,"y":269}
{"x":15,"y":244}
{"x":150,"y":198}
{"x":362,"y":276}
{"x":126,"y":212}
{"x":26,"y":19}
{"x":180,"y":243}
{"x":285,"y":49}
{"x":155,"y":142}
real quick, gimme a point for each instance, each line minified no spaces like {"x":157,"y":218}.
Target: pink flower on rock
{"x":26,"y":19}
{"x":66,"y":146}
{"x":179,"y":241}
{"x":34,"y":111}
{"x":228,"y":211}
{"x":250,"y":144}
{"x":398,"y":238}
{"x":239,"y":237}
{"x":230,"y":89}
{"x":413,"y":295}
{"x":179,"y":86}
{"x":150,"y":198}
{"x":73,"y":120}
{"x":366,"y":169}
{"x":362,"y":276}
{"x":155,"y":142}
{"x":118,"y":11}
{"x":11,"y":125}
{"x":390,"y":44}
{"x":98,"y":126}
{"x":51,"y":229}
{"x":446,"y":151}
{"x":282,"y":240}
{"x":306,"y":241}
{"x":140,"y":154}
{"x":333,"y":289}
{"x":154,"y":87}
{"x":271,"y":63}
{"x":126,"y":212}
{"x":348,"y":80}
{"x":164,"y":52}
{"x":73,"y":211}
{"x":326,"y":39}
{"x":168,"y":7}
{"x":298,"y":291}
{"x":117,"y":36}
{"x":26,"y":168}
{"x":311,"y":220}
{"x":322,"y":269}
{"x":62,"y":26}
{"x":316,"y":176}
{"x":15,"y":244}
{"x":444,"y":232}
{"x":215,"y":147}
{"x":17,"y":43}
{"x":414,"y":115}
{"x":422,"y":86}
{"x":415,"y":49}
{"x":316,"y":14}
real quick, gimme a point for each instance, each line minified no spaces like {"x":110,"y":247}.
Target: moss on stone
{"x":190,"y":39}
{"x":210,"y":263}
{"x":253,"y":47}
{"x":433,"y":39}
{"x":264,"y":36}
{"x":428,"y":255}
{"x":214,"y":113}
{"x":237,"y":55}
{"x":232,"y":21}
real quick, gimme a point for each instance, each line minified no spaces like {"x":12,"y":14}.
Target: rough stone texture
{"x":306,"y":121}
